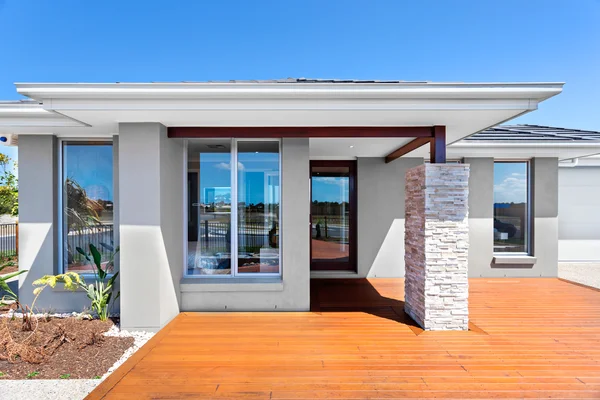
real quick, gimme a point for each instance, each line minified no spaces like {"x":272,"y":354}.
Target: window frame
{"x":60,"y":268}
{"x":529,"y":209}
{"x":234,"y":214}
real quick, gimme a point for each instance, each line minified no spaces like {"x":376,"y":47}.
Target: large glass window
{"x":511,"y":207}
{"x":225,"y":172}
{"x":209,"y":207}
{"x":258,"y":207}
{"x":87,"y":203}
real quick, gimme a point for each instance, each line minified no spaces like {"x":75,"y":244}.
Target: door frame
{"x":351,"y":265}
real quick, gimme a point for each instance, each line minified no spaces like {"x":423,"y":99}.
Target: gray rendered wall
{"x":268,"y":294}
{"x":38,"y":223}
{"x":544,"y":186}
{"x":545,"y":211}
{"x":151,"y":225}
{"x":481,"y":215}
{"x":381,"y":215}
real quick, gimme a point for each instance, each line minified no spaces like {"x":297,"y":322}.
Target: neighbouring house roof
{"x":534,"y":133}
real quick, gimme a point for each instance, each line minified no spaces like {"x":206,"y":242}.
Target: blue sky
{"x":509,"y":40}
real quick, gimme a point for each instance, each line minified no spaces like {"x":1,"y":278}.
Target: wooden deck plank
{"x":529,"y":338}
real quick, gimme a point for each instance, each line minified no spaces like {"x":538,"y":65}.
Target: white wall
{"x":579,"y":213}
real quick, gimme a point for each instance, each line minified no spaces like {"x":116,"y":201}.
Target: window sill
{"x":258,"y":284}
{"x":514,"y":260}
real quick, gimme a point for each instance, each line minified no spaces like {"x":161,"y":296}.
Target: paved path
{"x":47,"y":389}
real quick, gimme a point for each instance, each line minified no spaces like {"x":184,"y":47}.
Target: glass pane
{"x":330,"y":214}
{"x":209,"y":207}
{"x":258,"y":207}
{"x":87,"y":203}
{"x":511,"y":217}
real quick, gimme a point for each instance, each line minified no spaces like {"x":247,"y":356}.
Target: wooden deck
{"x":529,"y":338}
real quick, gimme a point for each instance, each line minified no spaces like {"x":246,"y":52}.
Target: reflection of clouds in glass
{"x":511,"y":189}
{"x":97,"y":192}
{"x":227,"y":166}
{"x":331,"y":180}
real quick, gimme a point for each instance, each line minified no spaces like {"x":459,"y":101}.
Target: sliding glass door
{"x":233,"y":196}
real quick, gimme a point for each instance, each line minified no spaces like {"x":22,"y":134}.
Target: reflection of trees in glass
{"x":82,"y":214}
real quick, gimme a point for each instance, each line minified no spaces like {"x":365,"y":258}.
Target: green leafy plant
{"x":32,"y":374}
{"x":1,"y":374}
{"x":9,"y":294}
{"x":100,"y":292}
{"x":65,"y":376}
{"x":9,"y":186}
{"x":97,"y":377}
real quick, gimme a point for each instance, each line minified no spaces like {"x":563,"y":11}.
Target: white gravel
{"x":71,"y":389}
{"x":586,"y":273}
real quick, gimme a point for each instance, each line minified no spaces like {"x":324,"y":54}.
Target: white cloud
{"x":331,"y":180}
{"x":227,"y":166}
{"x":513,"y":189}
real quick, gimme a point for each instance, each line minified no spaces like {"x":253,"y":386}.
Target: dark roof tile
{"x":534,"y":133}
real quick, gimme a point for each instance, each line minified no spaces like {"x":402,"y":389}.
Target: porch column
{"x":150,"y":225}
{"x":436,"y":246}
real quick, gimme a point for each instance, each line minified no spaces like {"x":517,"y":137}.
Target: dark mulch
{"x":10,"y":269}
{"x":59,"y":346}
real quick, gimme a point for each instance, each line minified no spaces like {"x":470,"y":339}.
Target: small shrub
{"x":32,"y":374}
{"x":1,"y":374}
{"x":65,"y":376}
{"x":100,"y":292}
{"x":97,"y":377}
{"x":10,"y":295}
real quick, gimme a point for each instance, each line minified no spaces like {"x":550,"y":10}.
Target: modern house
{"x":231,"y":196}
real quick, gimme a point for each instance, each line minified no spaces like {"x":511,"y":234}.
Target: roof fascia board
{"x":535,"y":91}
{"x":34,"y":115}
{"x":289,"y":104}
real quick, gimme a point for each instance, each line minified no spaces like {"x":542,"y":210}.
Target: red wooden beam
{"x":437,"y":147}
{"x":407,"y":148}
{"x":300,"y":132}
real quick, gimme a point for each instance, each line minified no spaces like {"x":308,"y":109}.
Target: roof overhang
{"x":96,"y":109}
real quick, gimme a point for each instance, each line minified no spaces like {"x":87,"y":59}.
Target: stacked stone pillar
{"x":436,"y":246}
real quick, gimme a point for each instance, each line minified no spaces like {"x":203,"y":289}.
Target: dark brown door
{"x":333,"y":215}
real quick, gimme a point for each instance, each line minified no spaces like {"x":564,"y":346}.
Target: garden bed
{"x":59,"y":348}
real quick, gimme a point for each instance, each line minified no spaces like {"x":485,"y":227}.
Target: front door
{"x":333,"y":215}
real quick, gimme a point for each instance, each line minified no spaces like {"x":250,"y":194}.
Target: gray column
{"x":436,"y":246}
{"x":151,"y":225}
{"x":544,"y":174}
{"x":38,"y":186}
{"x":481,"y":215}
